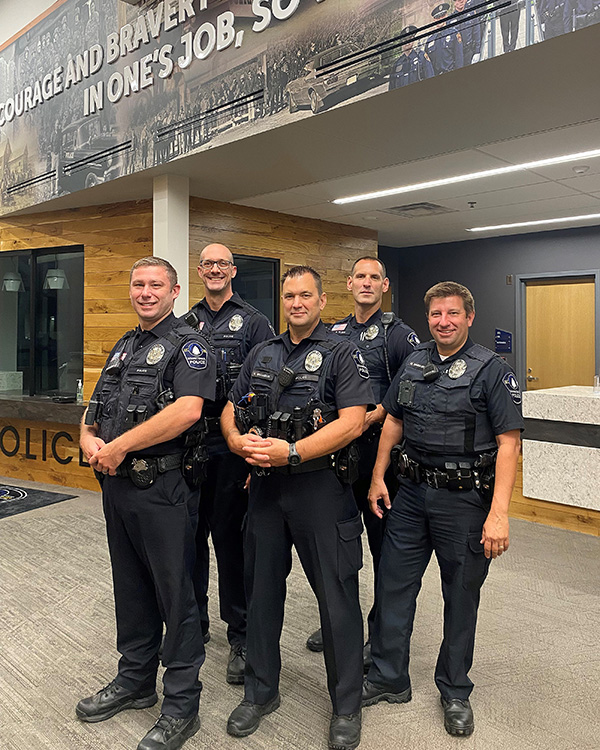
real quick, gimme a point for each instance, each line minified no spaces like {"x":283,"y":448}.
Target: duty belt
{"x":143,"y":470}
{"x":458,"y":476}
{"x":323,"y":462}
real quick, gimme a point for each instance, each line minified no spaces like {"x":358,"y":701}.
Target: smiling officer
{"x":139,"y":434}
{"x":299,"y":400}
{"x":457,"y":405}
{"x":232,"y":327}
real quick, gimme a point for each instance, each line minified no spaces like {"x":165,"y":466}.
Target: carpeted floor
{"x":537,"y":663}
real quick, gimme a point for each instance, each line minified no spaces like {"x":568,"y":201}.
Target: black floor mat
{"x":14,"y":500}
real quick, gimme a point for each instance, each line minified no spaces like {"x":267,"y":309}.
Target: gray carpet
{"x":537,"y":663}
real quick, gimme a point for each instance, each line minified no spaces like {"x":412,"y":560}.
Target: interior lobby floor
{"x":536,"y":668}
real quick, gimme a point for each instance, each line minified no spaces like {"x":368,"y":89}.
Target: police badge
{"x":457,"y":369}
{"x":371,"y":332}
{"x":155,"y":354}
{"x":313,"y":361}
{"x":236,"y":322}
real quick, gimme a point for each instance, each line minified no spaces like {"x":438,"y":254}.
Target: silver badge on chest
{"x":156,"y":353}
{"x":371,"y":332}
{"x":313,"y":361}
{"x":236,"y":322}
{"x":457,"y":369}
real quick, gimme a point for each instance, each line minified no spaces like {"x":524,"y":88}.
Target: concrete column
{"x":171,"y":233}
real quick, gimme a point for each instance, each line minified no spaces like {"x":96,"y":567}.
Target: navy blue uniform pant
{"x":318,"y":515}
{"x":151,"y":542}
{"x":368,"y":444}
{"x":223,"y":506}
{"x":425,"y":520}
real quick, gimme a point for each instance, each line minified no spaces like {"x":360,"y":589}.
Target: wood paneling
{"x":552,"y":514}
{"x":113,"y":236}
{"x":35,"y":459}
{"x":330,"y":248}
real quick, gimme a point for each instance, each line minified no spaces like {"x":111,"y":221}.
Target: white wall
{"x":15,"y":14}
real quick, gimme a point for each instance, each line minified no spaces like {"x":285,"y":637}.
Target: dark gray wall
{"x":483,"y":265}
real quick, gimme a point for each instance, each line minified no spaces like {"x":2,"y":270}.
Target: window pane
{"x":15,"y":341}
{"x":257,"y":282}
{"x":58,"y":322}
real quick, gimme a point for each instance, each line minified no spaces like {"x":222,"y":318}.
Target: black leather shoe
{"x":112,"y":699}
{"x":458,"y":717}
{"x":170,"y":733}
{"x":367,"y":659}
{"x":314,"y":642}
{"x":245,"y":719}
{"x":236,"y":665}
{"x":344,"y":732}
{"x":371,"y":694}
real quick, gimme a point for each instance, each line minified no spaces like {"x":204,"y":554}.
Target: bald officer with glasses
{"x":232,"y":327}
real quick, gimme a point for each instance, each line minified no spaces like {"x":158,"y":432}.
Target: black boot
{"x":236,"y":665}
{"x":344,"y":732}
{"x":170,"y":733}
{"x":245,"y":719}
{"x":112,"y":699}
{"x":458,"y":717}
{"x":314,"y":642}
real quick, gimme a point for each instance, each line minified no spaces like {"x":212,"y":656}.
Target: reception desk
{"x":561,"y":446}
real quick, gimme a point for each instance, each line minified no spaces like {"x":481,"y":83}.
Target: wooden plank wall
{"x":113,"y":236}
{"x":329,"y":248}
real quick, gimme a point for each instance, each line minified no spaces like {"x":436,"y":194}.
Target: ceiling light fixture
{"x":562,"y":220}
{"x":565,"y":159}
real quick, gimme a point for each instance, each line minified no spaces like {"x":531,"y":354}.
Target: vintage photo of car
{"x":336,"y":74}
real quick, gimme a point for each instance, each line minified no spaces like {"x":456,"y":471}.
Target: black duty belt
{"x":143,"y":470}
{"x":316,"y":464}
{"x":457,"y":476}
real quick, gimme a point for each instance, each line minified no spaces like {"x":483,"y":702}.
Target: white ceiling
{"x":535,"y":103}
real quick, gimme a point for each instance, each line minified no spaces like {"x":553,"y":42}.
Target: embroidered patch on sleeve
{"x":195,"y":355}
{"x":512,"y":386}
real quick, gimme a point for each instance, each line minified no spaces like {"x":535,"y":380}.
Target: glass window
{"x":41,"y":308}
{"x":257,"y":282}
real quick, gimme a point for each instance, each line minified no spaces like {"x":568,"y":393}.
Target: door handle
{"x":530,"y":378}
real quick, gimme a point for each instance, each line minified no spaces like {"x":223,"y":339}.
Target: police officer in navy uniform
{"x":444,"y":46}
{"x":580,"y":13}
{"x":299,"y":400}
{"x":457,"y":407}
{"x":470,"y":29}
{"x":412,"y":65}
{"x":139,"y":435}
{"x":553,"y":16}
{"x":384,"y":342}
{"x":232,"y":327}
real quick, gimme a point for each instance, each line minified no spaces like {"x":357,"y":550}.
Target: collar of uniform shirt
{"x":373,"y":319}
{"x":319,"y":334}
{"x":435,"y":357}
{"x":235,"y":300}
{"x":157,"y":331}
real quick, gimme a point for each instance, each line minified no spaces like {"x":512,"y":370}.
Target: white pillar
{"x":171,"y":229}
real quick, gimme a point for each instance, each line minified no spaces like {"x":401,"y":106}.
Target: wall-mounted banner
{"x":100,"y":88}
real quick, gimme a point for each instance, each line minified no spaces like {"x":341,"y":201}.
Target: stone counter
{"x":561,"y":446}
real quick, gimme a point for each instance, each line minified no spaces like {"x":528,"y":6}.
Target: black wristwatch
{"x":294,"y":457}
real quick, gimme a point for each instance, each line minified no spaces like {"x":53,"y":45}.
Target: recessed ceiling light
{"x":581,"y":169}
{"x":565,"y":159}
{"x":563,"y":220}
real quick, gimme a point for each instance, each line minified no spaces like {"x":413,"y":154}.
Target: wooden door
{"x":560,"y":333}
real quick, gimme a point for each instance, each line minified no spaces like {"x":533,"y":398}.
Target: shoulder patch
{"x":337,"y":327}
{"x":512,"y":386}
{"x":360,"y":364}
{"x":195,"y":355}
{"x":413,"y":339}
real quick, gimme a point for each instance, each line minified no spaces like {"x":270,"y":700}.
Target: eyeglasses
{"x":222,"y":264}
